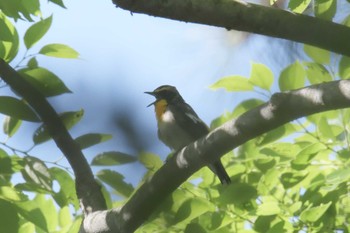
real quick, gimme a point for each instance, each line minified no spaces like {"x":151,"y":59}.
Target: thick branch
{"x":282,"y":108}
{"x":88,"y":190}
{"x":250,"y":18}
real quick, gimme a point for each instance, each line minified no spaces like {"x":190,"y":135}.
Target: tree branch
{"x":88,"y":191}
{"x":282,"y":108}
{"x":248,"y":17}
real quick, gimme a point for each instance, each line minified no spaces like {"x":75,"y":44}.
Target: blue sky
{"x":123,"y":54}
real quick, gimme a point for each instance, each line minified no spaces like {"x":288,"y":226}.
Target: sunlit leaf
{"x":6,"y":33}
{"x":306,"y":154}
{"x":27,"y":227}
{"x":91,"y":139}
{"x":193,"y":208}
{"x":40,"y":211}
{"x":233,"y":83}
{"x":64,"y":217}
{"x":318,"y":55}
{"x":45,"y":81}
{"x":344,"y":67}
{"x":245,"y":106}
{"x":116,"y":181}
{"x":11,"y":194}
{"x":59,"y":50}
{"x":69,"y":119}
{"x":35,"y":171}
{"x":292,"y":77}
{"x":11,"y":125}
{"x":298,"y":6}
{"x":112,"y":158}
{"x":325,"y":9}
{"x":66,"y":194}
{"x":9,"y":44}
{"x":261,"y":76}
{"x":36,"y":32}
{"x":338,"y":176}
{"x":16,"y":108}
{"x":264,"y":164}
{"x":290,"y":179}
{"x":314,"y":213}
{"x":269,"y":206}
{"x":151,"y":161}
{"x":316,"y":73}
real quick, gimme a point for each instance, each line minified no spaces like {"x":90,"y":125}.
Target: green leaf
{"x":32,"y":7}
{"x":41,"y":212}
{"x":69,"y":119}
{"x":36,"y":32}
{"x":290,"y":179}
{"x":325,"y":9}
{"x":16,"y":108}
{"x":194,"y":227}
{"x":9,"y":220}
{"x":27,"y":227}
{"x":64,"y":217}
{"x":116,"y":181}
{"x":245,"y":106}
{"x":66,"y":194}
{"x":261,"y":76}
{"x":35,"y":171}
{"x":193,"y":208}
{"x":59,"y":50}
{"x":292,"y":77}
{"x":11,"y":194}
{"x":32,"y":63}
{"x":11,"y":125}
{"x":318,"y":55}
{"x":58,"y":2}
{"x":112,"y":158}
{"x":233,"y":83}
{"x":45,"y":81}
{"x":6,"y":33}
{"x":264,"y":164}
{"x":8,"y":46}
{"x":269,"y":206}
{"x":338,"y":176}
{"x":344,"y":67}
{"x":316,"y":73}
{"x":298,"y":6}
{"x":151,"y":161}
{"x":238,"y":193}
{"x":314,"y":213}
{"x":91,"y":139}
{"x":303,"y":158}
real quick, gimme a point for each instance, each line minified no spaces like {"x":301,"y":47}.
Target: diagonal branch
{"x":248,"y":17}
{"x":88,"y":191}
{"x":282,"y":108}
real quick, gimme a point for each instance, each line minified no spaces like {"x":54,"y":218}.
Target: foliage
{"x":37,"y":195}
{"x":294,"y":178}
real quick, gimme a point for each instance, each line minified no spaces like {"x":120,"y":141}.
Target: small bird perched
{"x":179,"y":125}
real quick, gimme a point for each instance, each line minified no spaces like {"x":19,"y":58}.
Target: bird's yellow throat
{"x":160,"y":107}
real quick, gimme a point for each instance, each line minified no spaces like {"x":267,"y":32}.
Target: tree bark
{"x":249,"y":17}
{"x":282,"y":108}
{"x":88,"y":190}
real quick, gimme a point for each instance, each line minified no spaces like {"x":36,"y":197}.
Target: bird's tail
{"x":220,"y":171}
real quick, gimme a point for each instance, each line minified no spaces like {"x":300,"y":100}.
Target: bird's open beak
{"x":152,"y":94}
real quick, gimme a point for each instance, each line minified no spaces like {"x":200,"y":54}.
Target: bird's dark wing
{"x":189,"y":121}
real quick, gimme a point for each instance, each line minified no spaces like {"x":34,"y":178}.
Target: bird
{"x":179,"y":125}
